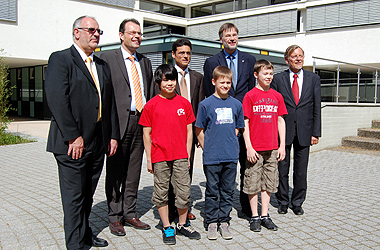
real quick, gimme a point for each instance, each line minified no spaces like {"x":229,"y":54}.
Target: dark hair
{"x":165,"y":70}
{"x":290,"y":50}
{"x":262,"y":63}
{"x":122,"y":25}
{"x":227,"y":26}
{"x":181,"y":42}
{"x":221,"y":71}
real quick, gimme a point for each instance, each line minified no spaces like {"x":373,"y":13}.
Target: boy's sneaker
{"x":212,"y":231}
{"x":255,"y":224}
{"x":168,"y":235}
{"x":267,"y":222}
{"x":188,"y":231}
{"x":224,"y":230}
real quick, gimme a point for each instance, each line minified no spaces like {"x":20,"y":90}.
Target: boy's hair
{"x":290,"y":50}
{"x":181,"y":42}
{"x":262,"y":64}
{"x":167,"y":70}
{"x":221,"y":71}
{"x":227,"y":26}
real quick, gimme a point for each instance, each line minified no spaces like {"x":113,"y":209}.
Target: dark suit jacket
{"x":246,"y":80}
{"x":306,"y":116}
{"x":74,"y":102}
{"x":121,"y":84}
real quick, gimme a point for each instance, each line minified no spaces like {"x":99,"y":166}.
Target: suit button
{"x":128,"y":110}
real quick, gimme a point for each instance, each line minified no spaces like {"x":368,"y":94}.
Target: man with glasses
{"x":132,"y":81}
{"x":301,"y":90}
{"x":241,"y":65}
{"x":83,"y":127}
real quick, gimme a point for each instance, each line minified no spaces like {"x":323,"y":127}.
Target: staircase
{"x":368,"y":138}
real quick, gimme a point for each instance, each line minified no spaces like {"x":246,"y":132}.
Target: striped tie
{"x":88,"y":64}
{"x":136,"y":85}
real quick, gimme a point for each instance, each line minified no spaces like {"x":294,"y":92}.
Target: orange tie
{"x":88,"y":64}
{"x":183,"y":86}
{"x":136,"y":85}
{"x":295,"y":89}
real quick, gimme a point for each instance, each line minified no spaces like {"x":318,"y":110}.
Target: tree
{"x":5,"y":94}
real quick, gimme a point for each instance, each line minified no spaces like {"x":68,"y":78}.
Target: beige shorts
{"x":176,"y":172}
{"x":262,"y":175}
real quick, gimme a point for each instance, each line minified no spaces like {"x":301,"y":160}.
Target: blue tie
{"x":232,"y":68}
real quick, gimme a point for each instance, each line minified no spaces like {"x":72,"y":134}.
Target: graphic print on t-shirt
{"x":224,"y":115}
{"x":264,"y":108}
{"x":181,"y":111}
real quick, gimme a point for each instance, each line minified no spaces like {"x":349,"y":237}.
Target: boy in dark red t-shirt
{"x":263,"y":110}
{"x":167,"y":119}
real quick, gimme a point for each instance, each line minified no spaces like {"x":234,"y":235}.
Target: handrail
{"x":359,"y":65}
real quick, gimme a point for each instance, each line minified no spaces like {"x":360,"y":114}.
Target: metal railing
{"x":366,"y":87}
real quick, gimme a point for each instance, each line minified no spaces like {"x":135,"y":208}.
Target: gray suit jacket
{"x":122,"y":86}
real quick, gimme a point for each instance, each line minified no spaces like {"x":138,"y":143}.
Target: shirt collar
{"x":180,"y":70}
{"x":82,"y":54}
{"x":126,"y":54}
{"x":233,"y":54}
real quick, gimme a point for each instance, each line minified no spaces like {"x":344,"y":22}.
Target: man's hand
{"x":112,"y":147}
{"x":76,"y":148}
{"x":314,"y":140}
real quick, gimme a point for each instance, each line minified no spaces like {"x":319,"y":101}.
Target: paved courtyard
{"x":341,"y":210}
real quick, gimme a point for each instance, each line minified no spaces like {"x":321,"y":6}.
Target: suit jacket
{"x":74,"y":102}
{"x":122,"y":86}
{"x":304,"y":118}
{"x":246,"y":80}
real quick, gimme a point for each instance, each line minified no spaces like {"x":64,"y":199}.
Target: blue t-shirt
{"x":219,"y":118}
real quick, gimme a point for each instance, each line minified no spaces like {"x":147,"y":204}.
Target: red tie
{"x":295,"y":89}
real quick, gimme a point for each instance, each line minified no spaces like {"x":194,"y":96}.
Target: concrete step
{"x":361,"y":142}
{"x":375,"y":123}
{"x":369,"y":132}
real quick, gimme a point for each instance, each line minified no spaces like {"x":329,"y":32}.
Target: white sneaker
{"x":224,"y":230}
{"x":212,"y":231}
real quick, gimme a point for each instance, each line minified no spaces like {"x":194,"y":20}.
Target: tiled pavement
{"x":341,"y":209}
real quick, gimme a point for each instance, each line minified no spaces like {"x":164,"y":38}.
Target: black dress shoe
{"x":96,"y":242}
{"x":282,"y":209}
{"x":298,"y":210}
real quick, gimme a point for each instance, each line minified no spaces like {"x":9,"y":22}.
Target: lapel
{"x":193,"y":82}
{"x":99,"y":69}
{"x":121,"y":63}
{"x":81,"y":65}
{"x":288,"y":85}
{"x":305,"y":85}
{"x":222,"y":59}
{"x":241,"y":64}
{"x":144,"y":69}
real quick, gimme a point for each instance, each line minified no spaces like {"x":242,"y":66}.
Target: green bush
{"x":5,"y":94}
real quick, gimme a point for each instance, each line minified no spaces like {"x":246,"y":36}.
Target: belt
{"x":137,"y":113}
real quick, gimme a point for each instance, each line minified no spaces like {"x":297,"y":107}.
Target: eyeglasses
{"x":296,"y":56}
{"x":134,"y":33}
{"x":92,"y":30}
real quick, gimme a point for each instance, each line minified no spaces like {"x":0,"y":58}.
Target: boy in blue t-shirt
{"x":218,"y":121}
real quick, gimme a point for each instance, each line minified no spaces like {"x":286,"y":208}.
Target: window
{"x":162,"y":8}
{"x":8,"y":10}
{"x":157,"y":29}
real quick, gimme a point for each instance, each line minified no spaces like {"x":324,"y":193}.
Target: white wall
{"x":341,"y":120}
{"x":45,"y":26}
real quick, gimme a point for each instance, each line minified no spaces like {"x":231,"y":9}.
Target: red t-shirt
{"x":168,"y":119}
{"x":262,"y":108}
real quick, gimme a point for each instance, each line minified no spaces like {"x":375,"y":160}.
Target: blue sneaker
{"x":168,"y":236}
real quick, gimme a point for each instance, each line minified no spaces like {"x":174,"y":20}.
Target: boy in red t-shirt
{"x":263,"y":110}
{"x":167,"y":119}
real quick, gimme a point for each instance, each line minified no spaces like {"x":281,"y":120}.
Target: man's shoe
{"x":212,"y":231}
{"x":168,"y":236}
{"x":255,"y":224}
{"x":282,"y":209}
{"x":298,"y":210}
{"x":224,"y":230}
{"x":137,"y":224}
{"x":188,"y":231}
{"x":267,"y":222}
{"x":191,"y":216}
{"x":117,"y":228}
{"x":96,"y":242}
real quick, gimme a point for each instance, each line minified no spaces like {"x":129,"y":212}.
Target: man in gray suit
{"x":131,"y":75}
{"x":301,"y":90}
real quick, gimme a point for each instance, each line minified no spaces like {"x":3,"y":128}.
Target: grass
{"x":9,"y":138}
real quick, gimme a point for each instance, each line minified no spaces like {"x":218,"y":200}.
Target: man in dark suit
{"x":241,"y":65}
{"x":190,"y":86}
{"x":84,"y":126}
{"x":132,"y":81}
{"x":301,"y":90}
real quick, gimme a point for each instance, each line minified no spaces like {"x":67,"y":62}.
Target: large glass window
{"x":201,"y":11}
{"x":162,"y":8}
{"x":157,"y":29}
